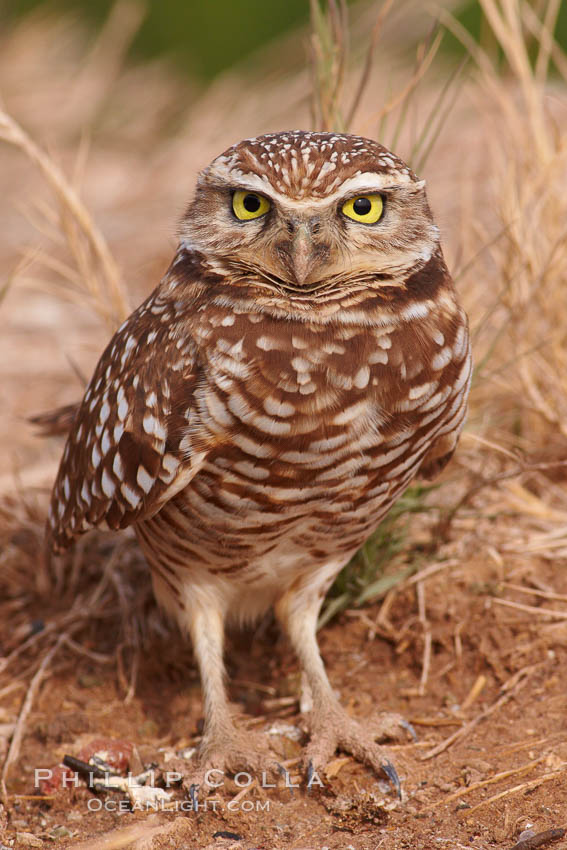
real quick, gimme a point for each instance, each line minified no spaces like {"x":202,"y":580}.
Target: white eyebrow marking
{"x":367,"y":181}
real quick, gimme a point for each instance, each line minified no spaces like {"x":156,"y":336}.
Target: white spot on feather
{"x":299,"y":342}
{"x":123,"y":410}
{"x":153,"y":427}
{"x":421,"y":390}
{"x":350,"y":413}
{"x":267,"y":343}
{"x":85,"y":495}
{"x":362,"y":377}
{"x":107,"y":484}
{"x":278,"y":408}
{"x":417,"y":310}
{"x":105,"y":443}
{"x":300,"y":364}
{"x":104,"y":412}
{"x":170,"y":463}
{"x":118,"y":466}
{"x":378,"y":357}
{"x":95,"y":456}
{"x":130,"y":495}
{"x":144,"y":479}
{"x":442,"y":358}
{"x":251,"y":447}
{"x":250,"y":470}
{"x":271,"y":426}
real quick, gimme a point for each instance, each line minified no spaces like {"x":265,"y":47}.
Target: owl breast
{"x":312,"y":431}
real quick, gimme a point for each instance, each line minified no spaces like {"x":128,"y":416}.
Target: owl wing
{"x":438,"y":456}
{"x":128,"y":450}
{"x":457,"y":375}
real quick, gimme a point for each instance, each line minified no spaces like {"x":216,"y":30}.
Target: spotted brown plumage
{"x":259,"y":413}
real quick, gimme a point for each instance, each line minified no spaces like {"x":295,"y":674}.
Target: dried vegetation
{"x":115,"y":151}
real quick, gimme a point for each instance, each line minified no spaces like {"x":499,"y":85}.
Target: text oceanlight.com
{"x":97,"y":805}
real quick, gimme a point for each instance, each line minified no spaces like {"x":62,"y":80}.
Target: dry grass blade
{"x":532,"y":591}
{"x":519,"y":789}
{"x":546,"y":40}
{"x":439,"y":113}
{"x":365,"y":76}
{"x":427,"y":638}
{"x":505,"y":19}
{"x":543,"y":31}
{"x":532,"y":609}
{"x":99,"y":274}
{"x":529,"y":160}
{"x":329,"y":50}
{"x":510,"y":689}
{"x":15,"y":744}
{"x":423,"y":65}
{"x":475,"y":786}
{"x":104,"y":61}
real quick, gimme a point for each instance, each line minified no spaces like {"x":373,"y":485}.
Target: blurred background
{"x":205,"y":39}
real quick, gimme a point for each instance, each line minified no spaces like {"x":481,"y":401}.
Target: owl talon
{"x":334,"y":730}
{"x":310,"y":774}
{"x":194,"y":795}
{"x":392,"y":775}
{"x":405,"y":724}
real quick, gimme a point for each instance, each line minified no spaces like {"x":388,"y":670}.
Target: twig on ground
{"x":508,"y":690}
{"x":517,"y":789}
{"x":427,"y":639}
{"x":532,"y":591}
{"x":531,"y":609}
{"x":15,"y":744}
{"x":475,"y":786}
{"x":474,"y":692}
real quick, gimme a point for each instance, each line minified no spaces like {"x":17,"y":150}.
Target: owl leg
{"x":206,"y":628}
{"x":224,"y":749}
{"x":330,"y":726}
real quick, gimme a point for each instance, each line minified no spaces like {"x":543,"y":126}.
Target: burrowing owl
{"x":304,"y":357}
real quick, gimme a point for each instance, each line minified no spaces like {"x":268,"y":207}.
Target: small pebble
{"x":27,"y":839}
{"x":60,"y":832}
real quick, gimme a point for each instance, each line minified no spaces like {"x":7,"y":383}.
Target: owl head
{"x":303,"y":211}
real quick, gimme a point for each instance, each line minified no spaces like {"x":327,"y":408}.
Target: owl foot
{"x":223,"y":756}
{"x":333,"y":730}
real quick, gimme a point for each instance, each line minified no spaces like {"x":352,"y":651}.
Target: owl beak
{"x":302,"y":253}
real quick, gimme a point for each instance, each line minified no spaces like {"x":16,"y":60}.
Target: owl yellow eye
{"x":247,"y":205}
{"x":367,"y":209}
